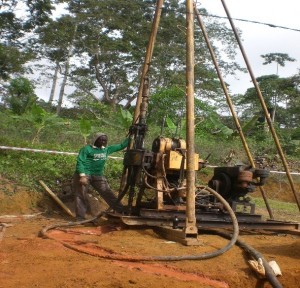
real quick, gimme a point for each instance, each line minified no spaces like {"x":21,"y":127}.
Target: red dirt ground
{"x":28,"y":260}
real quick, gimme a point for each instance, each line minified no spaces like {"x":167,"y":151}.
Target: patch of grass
{"x":277,"y":205}
{"x":283,"y":211}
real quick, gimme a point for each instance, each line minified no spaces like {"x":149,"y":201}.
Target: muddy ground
{"x":92,"y":255}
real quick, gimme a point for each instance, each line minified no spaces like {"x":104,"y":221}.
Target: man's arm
{"x":117,"y":147}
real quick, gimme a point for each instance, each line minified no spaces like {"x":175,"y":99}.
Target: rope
{"x":48,"y":151}
{"x":271,"y":171}
{"x":111,"y":157}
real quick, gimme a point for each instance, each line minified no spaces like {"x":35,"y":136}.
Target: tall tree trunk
{"x":274,"y":110}
{"x":54,"y":81}
{"x":273,"y":114}
{"x":67,"y":68}
{"x":62,"y":87}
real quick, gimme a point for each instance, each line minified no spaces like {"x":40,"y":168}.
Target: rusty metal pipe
{"x":230,"y":104}
{"x":190,"y":120}
{"x":148,"y":57}
{"x":144,"y":102}
{"x":262,"y":102}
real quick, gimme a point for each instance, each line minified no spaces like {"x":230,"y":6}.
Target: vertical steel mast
{"x":191,"y":228}
{"x":148,"y":57}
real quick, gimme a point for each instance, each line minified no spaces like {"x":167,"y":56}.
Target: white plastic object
{"x":275,"y":267}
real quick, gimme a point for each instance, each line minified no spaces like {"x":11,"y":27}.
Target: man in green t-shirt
{"x":90,"y":170}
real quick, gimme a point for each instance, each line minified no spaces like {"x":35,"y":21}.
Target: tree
{"x":168,"y":104}
{"x":12,"y":54}
{"x":279,"y":58}
{"x":56,"y":40}
{"x":112,"y":38}
{"x":11,"y":61}
{"x":280,"y":94}
{"x":110,"y":34}
{"x":110,"y":44}
{"x":66,"y":72}
{"x":14,"y":48}
{"x":291,"y":93}
{"x":21,"y":96}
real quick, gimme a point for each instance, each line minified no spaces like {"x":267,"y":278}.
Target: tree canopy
{"x":107,"y":51}
{"x":97,"y":49}
{"x":281,"y":95}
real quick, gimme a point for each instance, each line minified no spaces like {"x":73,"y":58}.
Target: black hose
{"x":269,"y":273}
{"x":161,"y":258}
{"x":43,"y":232}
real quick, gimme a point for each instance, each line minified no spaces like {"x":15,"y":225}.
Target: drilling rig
{"x":156,"y":189}
{"x":158,"y":185}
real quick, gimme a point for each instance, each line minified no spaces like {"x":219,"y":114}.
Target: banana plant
{"x":85,"y":127}
{"x":126,"y":118}
{"x":39,"y":118}
{"x":218,"y":126}
{"x":248,"y":125}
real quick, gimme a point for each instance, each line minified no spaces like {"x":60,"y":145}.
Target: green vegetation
{"x":283,"y":211}
{"x":98,"y":48}
{"x":39,"y":129}
{"x":278,"y":205}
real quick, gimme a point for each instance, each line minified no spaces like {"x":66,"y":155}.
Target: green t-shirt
{"x":91,"y":159}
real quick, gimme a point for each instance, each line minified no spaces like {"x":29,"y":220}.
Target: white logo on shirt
{"x":100,"y":156}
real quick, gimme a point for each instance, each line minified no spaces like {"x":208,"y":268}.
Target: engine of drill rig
{"x":234,"y":183}
{"x":168,"y":171}
{"x":161,"y":170}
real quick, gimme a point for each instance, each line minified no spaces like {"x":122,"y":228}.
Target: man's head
{"x":101,"y":140}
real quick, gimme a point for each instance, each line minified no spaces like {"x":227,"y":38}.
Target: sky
{"x":256,"y":39}
{"x":261,"y":39}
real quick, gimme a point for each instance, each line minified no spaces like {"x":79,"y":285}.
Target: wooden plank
{"x":56,"y":199}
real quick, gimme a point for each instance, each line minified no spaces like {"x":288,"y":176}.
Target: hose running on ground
{"x":157,"y":258}
{"x":269,"y":273}
{"x":271,"y":277}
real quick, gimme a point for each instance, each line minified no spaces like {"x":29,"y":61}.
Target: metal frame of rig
{"x":159,"y":184}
